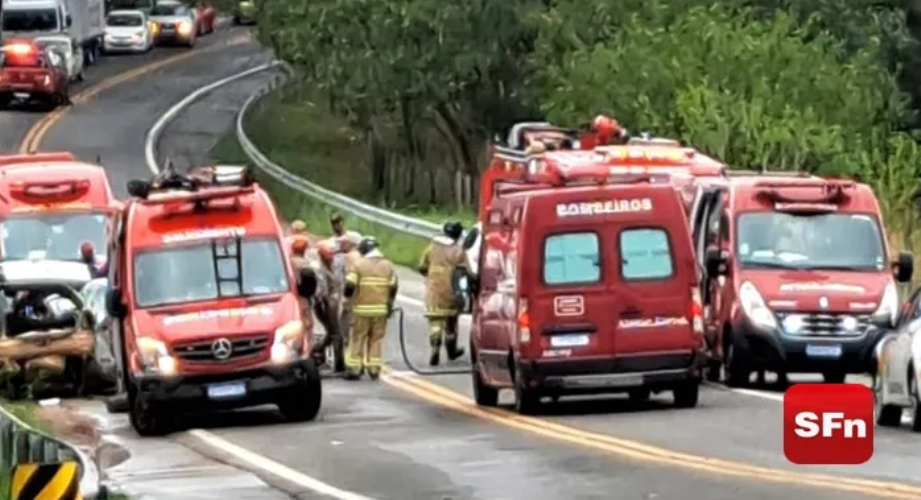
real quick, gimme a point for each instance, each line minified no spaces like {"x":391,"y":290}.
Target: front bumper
{"x":264,"y":385}
{"x":25,"y":93}
{"x":611,"y":374}
{"x":113,"y":47}
{"x":166,"y":37}
{"x":776,"y":351}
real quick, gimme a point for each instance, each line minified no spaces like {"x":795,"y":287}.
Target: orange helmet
{"x":299,"y":245}
{"x":606,"y":127}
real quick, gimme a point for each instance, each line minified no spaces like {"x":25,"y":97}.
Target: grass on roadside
{"x":27,"y":411}
{"x":401,"y":248}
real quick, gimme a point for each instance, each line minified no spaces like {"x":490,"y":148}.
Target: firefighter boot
{"x":435,"y":357}
{"x":451,"y":347}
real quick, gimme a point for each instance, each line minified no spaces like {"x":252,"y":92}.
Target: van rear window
{"x":572,"y":258}
{"x":645,"y":254}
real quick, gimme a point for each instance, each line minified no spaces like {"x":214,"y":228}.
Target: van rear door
{"x":656,"y":305}
{"x":564,"y":279}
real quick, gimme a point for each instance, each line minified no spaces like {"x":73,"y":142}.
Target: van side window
{"x":645,"y":254}
{"x":572,"y":258}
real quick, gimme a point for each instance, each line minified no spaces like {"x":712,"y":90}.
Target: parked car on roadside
{"x":244,"y":12}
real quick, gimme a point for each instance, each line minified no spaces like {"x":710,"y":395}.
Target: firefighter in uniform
{"x":438,"y":264}
{"x":299,"y":261}
{"x":372,"y":286}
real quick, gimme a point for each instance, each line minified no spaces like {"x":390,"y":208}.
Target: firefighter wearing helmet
{"x":438,"y":264}
{"x":372,"y":285}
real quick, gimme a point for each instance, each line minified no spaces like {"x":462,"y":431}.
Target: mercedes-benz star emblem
{"x":823,"y":302}
{"x":222,"y":349}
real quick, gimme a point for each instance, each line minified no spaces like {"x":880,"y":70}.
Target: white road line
{"x":253,"y":459}
{"x":153,"y":135}
{"x":262,"y":463}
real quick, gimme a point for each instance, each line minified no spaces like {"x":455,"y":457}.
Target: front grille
{"x":824,"y":324}
{"x":242,"y":347}
{"x":168,"y":26}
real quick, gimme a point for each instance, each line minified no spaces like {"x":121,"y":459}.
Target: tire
{"x":737,"y":370}
{"x":118,"y":403}
{"x":527,"y":400}
{"x":639,"y":395}
{"x":687,"y":393}
{"x":834,"y":377}
{"x":915,"y":402}
{"x":483,"y":394}
{"x":146,"y":419}
{"x":886,"y":415}
{"x":302,"y":401}
{"x":4,"y":102}
{"x":236,"y":20}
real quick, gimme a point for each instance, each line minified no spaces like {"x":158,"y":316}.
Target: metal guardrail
{"x":22,"y":444}
{"x":377,"y":215}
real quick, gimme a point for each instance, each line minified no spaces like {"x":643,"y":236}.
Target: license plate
{"x":229,"y":390}
{"x":569,"y":340}
{"x":21,"y":95}
{"x":823,"y":351}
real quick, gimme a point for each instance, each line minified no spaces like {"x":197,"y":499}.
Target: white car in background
{"x":65,"y":48}
{"x":128,"y":31}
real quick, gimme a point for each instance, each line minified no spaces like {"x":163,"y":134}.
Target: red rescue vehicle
{"x":30,"y":73}
{"x":50,"y":204}
{"x":207,"y":306}
{"x":797,"y":275}
{"x":587,"y":284}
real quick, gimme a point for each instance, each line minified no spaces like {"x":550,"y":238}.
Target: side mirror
{"x":114,"y":305}
{"x":904,"y":267}
{"x":715,"y":262}
{"x":306,"y":283}
{"x":68,"y":21}
{"x":138,"y":188}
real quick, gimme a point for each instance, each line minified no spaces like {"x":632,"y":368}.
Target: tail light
{"x":695,"y":311}
{"x":524,"y":322}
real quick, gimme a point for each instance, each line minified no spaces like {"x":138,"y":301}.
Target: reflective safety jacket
{"x":375,"y":283}
{"x":438,"y":262}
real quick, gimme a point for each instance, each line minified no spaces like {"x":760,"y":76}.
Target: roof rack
{"x":202,"y":184}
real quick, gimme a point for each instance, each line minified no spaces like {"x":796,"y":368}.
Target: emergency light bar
{"x":830,"y":191}
{"x":19,"y":49}
{"x":216,"y":182}
{"x":769,"y":173}
{"x":642,"y":155}
{"x":49,"y":191}
{"x":36,"y":158}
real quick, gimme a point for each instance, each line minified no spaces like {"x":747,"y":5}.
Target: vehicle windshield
{"x":188,"y":273}
{"x":810,"y":241}
{"x":30,"y":20}
{"x":52,"y":236}
{"x":124,"y":20}
{"x":164,"y":10}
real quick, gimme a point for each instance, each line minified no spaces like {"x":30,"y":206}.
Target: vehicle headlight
{"x":155,"y":357}
{"x":754,"y":307}
{"x":888,"y":310}
{"x":289,"y":342}
{"x":184,"y":28}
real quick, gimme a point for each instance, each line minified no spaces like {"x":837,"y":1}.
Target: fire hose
{"x":459,"y":370}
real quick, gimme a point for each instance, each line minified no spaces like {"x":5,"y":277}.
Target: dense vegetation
{"x":829,"y":86}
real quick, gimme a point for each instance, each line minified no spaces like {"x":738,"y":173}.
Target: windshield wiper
{"x":833,"y":267}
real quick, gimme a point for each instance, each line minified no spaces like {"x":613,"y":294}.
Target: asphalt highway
{"x":409,"y":437}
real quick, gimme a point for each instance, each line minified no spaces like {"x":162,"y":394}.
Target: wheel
{"x":639,"y":395}
{"x":527,"y":400}
{"x":146,"y":419}
{"x":834,"y":377}
{"x":236,"y":20}
{"x":302,"y":401}
{"x":886,"y":415}
{"x":687,"y":393}
{"x":915,"y":402}
{"x":5,"y":101}
{"x":737,"y":370}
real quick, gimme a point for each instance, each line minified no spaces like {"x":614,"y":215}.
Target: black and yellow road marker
{"x":58,"y":481}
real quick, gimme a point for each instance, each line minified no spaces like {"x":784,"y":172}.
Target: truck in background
{"x":81,"y":20}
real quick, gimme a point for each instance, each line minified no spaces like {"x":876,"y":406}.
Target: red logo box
{"x":828,"y":424}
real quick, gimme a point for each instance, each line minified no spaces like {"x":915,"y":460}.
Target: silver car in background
{"x":175,"y":23}
{"x":127,"y":31}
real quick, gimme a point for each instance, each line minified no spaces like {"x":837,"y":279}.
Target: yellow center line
{"x":437,"y":394}
{"x":33,"y":138}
